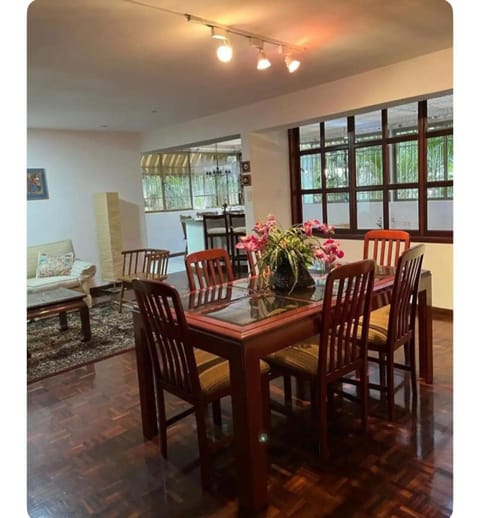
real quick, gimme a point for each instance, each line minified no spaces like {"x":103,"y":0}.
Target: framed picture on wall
{"x":245,"y":166}
{"x":36,"y":184}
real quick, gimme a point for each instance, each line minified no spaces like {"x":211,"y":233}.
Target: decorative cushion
{"x":214,"y":372}
{"x":54,"y":265}
{"x":303,"y":356}
{"x":378,"y":330}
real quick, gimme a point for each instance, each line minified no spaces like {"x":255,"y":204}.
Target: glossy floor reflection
{"x":87,"y":457}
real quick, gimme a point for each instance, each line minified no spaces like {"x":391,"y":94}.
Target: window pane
{"x":403,"y":158}
{"x":177,"y":191}
{"x":369,"y":166}
{"x":336,"y":132}
{"x":184,"y":180}
{"x":338,"y":209}
{"x":310,"y":169}
{"x":336,"y":168}
{"x":312,"y":207}
{"x":368,"y":126}
{"x":440,"y":209}
{"x":440,"y":112}
{"x":152,"y":192}
{"x":403,"y":209}
{"x":370,"y":209}
{"x":310,"y":136}
{"x":402,"y":120}
{"x":440,"y":158}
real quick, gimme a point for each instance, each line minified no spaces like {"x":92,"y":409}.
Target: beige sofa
{"x":80,"y":275}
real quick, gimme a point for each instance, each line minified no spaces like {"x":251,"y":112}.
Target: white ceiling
{"x":119,"y":65}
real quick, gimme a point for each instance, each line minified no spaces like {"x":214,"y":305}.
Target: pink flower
{"x":309,"y":225}
{"x":326,"y":229}
{"x":297,"y":244}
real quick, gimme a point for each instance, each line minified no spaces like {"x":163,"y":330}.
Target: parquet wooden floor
{"x":86,"y":455}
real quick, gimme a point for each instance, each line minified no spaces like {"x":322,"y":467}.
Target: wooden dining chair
{"x":197,"y":377}
{"x":208,"y":268}
{"x":393,"y":326}
{"x":385,"y":246}
{"x":142,"y":263}
{"x":253,"y":257}
{"x":340,"y":348}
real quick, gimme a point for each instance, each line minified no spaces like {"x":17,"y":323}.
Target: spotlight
{"x":292,"y":64}
{"x":263,"y":62}
{"x":224,"y":51}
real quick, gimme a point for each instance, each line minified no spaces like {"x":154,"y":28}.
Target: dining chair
{"x":195,"y":376}
{"x":208,"y":268}
{"x":142,"y":263}
{"x":385,"y":246}
{"x":393,"y":326}
{"x":237,"y":228}
{"x":253,"y":256}
{"x":339,"y":349}
{"x":215,"y":230}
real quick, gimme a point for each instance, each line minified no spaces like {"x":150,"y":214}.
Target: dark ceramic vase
{"x":284,"y":280}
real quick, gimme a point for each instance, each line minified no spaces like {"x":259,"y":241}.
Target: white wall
{"x":77,"y":165}
{"x":164,"y":230}
{"x":438,"y":259}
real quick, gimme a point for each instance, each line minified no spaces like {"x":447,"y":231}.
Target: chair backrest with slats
{"x":150,"y":262}
{"x":403,"y":306}
{"x":385,"y":246}
{"x":167,"y":336}
{"x":345,"y":317}
{"x":208,"y":268}
{"x":215,"y":225}
{"x":253,"y":257}
{"x":157,"y":264}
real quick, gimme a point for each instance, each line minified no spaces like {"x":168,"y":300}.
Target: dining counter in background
{"x":194,"y":232}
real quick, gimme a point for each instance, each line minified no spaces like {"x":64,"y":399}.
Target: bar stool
{"x":215,"y":229}
{"x":237,"y":229}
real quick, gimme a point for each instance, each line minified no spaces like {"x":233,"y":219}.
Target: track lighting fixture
{"x":218,"y":34}
{"x":222,"y":32}
{"x":263,"y":62}
{"x":292,"y":64}
{"x":224,"y":51}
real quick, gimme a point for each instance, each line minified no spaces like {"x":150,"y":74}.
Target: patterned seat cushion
{"x":377,"y":332}
{"x":214,"y":371}
{"x":303,"y":356}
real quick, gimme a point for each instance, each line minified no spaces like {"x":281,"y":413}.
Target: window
{"x":190,"y":180}
{"x":389,"y":168}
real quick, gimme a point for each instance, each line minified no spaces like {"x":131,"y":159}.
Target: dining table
{"x":244,"y":321}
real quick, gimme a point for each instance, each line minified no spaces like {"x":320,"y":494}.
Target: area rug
{"x":52,"y":351}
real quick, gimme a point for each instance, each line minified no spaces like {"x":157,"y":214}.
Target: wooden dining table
{"x":243,"y":321}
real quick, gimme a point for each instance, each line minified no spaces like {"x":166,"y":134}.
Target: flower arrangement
{"x":295,"y":246}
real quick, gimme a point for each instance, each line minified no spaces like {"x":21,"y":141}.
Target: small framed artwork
{"x":245,"y":166}
{"x":246,"y":180}
{"x":36,"y":184}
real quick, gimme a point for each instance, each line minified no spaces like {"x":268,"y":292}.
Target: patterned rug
{"x":52,"y":351}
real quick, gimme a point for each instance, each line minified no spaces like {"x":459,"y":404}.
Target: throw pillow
{"x":53,"y":265}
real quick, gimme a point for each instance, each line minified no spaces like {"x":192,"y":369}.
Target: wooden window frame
{"x":422,"y":234}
